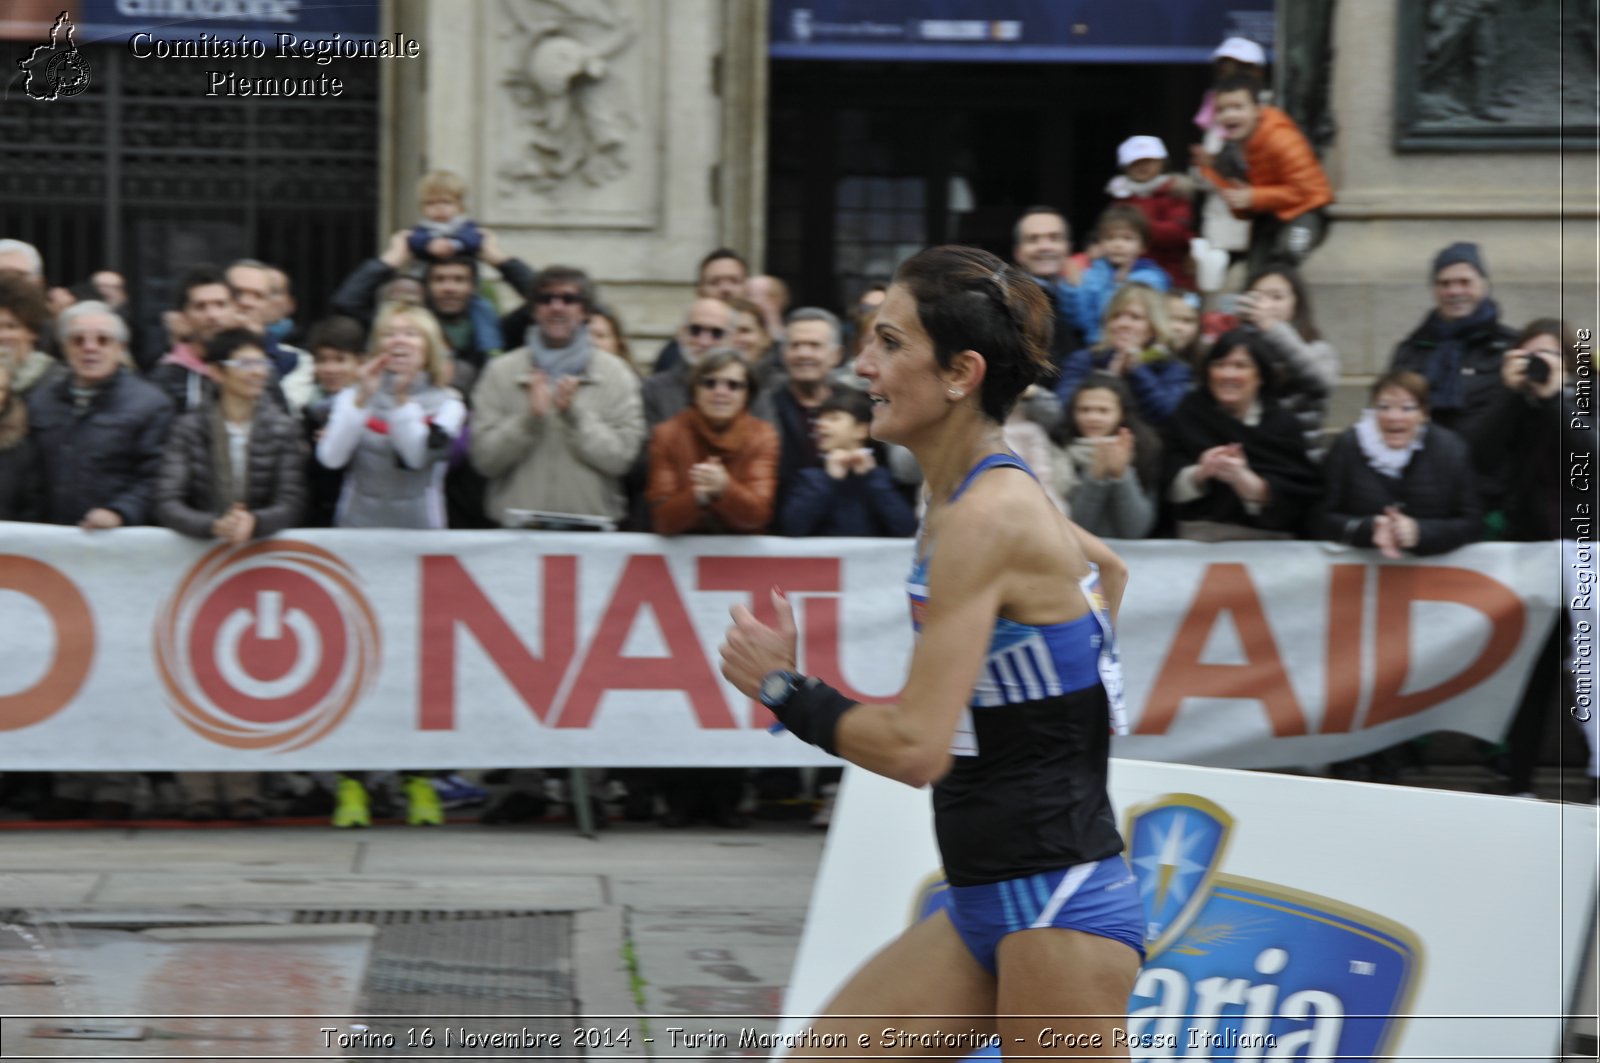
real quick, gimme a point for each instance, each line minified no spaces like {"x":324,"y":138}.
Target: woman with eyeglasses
{"x":233,"y":470}
{"x":714,"y":471}
{"x":713,"y":467}
{"x":1396,"y":483}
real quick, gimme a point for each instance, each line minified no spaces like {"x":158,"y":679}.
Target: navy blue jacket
{"x":869,"y":505}
{"x":1158,"y":384}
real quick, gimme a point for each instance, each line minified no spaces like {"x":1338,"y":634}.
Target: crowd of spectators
{"x":420,"y":404}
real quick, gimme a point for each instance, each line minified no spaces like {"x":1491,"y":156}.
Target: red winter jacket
{"x":1171,"y":217}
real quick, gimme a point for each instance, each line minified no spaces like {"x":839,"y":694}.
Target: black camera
{"x":1538,"y":370}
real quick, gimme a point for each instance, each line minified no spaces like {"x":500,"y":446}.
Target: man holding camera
{"x":1460,"y":348}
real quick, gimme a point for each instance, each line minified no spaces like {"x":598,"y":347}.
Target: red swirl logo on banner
{"x":267,"y":647}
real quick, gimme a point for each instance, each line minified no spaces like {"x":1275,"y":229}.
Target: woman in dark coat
{"x":235,"y":468}
{"x":1236,"y":461}
{"x":1398,"y":484}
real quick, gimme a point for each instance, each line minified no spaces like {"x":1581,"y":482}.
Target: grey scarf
{"x":571,"y":360}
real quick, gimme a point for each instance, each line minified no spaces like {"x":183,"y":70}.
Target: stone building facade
{"x":629,"y":136}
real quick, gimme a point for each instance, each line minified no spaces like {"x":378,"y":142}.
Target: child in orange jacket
{"x":1267,"y":172}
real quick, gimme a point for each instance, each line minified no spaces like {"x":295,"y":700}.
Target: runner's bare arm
{"x":909,"y":741}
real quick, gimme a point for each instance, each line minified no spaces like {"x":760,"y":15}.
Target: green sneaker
{"x":423,"y":807}
{"x":350,"y":804}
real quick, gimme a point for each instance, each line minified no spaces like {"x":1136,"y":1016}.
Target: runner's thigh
{"x":1058,"y":988}
{"x":923,"y":987}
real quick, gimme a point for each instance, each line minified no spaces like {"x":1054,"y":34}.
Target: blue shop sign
{"x":102,"y":21}
{"x":1055,"y":31}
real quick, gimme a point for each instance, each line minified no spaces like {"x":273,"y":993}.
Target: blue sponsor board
{"x":1084,"y":31}
{"x":252,"y":20}
{"x":1239,"y":969}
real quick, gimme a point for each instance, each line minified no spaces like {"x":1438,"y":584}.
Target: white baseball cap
{"x":1133,"y":149}
{"x":1242,"y":49}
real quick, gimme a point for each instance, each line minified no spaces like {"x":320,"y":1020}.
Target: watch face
{"x":774,"y":687}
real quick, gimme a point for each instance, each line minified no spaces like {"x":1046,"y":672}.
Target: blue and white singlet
{"x":1027,"y":793}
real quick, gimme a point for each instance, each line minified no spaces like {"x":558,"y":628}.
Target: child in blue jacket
{"x":1122,"y":236}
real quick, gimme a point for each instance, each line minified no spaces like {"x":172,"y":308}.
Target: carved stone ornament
{"x":571,"y":122}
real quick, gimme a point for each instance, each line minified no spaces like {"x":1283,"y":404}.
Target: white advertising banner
{"x":139,"y":649}
{"x":1288,"y":917}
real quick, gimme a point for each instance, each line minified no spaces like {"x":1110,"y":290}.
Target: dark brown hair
{"x":23,"y":298}
{"x":1414,"y":384}
{"x":1122,"y":214}
{"x":968,"y":299}
{"x":1252,"y":343}
{"x":1550,"y":326}
{"x":610,"y":314}
{"x":720,"y":358}
{"x":550,"y":276}
{"x":1302,"y":321}
{"x":745,"y":306}
{"x":340,"y":333}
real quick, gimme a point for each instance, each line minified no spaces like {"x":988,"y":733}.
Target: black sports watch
{"x":778,"y":687}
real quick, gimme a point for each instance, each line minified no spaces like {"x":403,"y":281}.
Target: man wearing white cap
{"x":1165,"y":199}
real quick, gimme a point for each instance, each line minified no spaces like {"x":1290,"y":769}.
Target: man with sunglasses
{"x":708,"y":324}
{"x":723,"y":276}
{"x":557,"y":422}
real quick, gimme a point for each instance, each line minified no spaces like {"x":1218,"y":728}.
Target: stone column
{"x":1533,"y":217}
{"x":625,"y":137}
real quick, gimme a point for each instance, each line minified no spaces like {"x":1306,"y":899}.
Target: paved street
{"x":695,"y":928}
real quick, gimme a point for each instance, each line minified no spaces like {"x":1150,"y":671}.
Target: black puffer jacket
{"x":1437,"y":489}
{"x":103,"y":455}
{"x":187,"y":496}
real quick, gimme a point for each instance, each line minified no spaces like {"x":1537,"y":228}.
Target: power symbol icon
{"x":251,"y":648}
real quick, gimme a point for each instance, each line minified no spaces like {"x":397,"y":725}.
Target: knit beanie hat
{"x":1461,"y":251}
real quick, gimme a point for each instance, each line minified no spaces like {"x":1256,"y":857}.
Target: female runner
{"x":1012,"y":695}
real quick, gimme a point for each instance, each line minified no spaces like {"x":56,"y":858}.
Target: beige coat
{"x":564,"y":462}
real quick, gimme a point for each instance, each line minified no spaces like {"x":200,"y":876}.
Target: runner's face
{"x":908,"y":394}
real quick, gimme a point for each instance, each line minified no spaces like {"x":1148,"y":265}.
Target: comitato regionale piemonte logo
{"x":267,"y":647}
{"x":58,"y":69}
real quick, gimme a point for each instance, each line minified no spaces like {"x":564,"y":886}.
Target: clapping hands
{"x":1393,"y":532}
{"x":1225,"y":464}
{"x":841,"y":463}
{"x":709,"y":479}
{"x":1112,"y":454}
